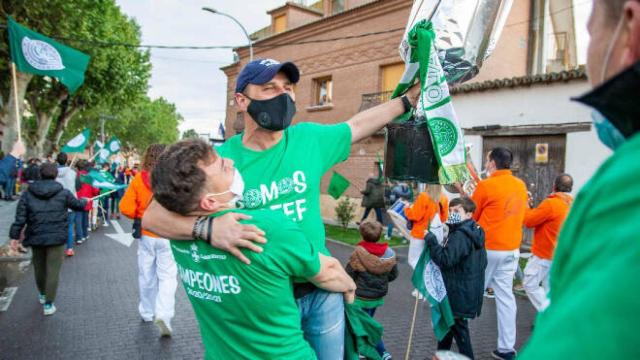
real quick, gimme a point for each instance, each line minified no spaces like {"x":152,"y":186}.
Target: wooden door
{"x":537,"y":175}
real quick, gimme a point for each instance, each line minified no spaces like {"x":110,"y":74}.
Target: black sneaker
{"x":503,"y":355}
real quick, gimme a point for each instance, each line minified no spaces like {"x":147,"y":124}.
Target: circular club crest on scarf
{"x":41,"y":55}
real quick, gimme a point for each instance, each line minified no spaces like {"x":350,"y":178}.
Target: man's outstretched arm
{"x":227,"y":233}
{"x":366,"y":123}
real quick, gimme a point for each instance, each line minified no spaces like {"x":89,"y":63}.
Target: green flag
{"x":337,"y":185}
{"x":97,"y":146}
{"x":78,"y":143}
{"x":113,"y":145}
{"x":99,"y":180}
{"x":37,"y":54}
{"x":427,"y":278}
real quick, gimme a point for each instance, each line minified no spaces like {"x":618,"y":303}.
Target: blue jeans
{"x":379,"y":346}
{"x":82,"y":222}
{"x":378,"y":214}
{"x":71,"y":219}
{"x":322,"y":315}
{"x":9,"y":188}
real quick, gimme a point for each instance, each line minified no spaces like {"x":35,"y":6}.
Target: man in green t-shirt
{"x":244,"y":312}
{"x":594,"y":277}
{"x":282,"y":166}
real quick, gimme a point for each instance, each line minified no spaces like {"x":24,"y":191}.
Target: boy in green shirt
{"x":244,"y":312}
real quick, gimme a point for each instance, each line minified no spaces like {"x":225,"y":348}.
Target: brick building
{"x":347,"y":52}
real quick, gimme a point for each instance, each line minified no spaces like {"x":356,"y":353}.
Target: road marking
{"x":120,"y":236}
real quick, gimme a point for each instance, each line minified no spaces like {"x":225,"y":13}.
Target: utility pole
{"x":102,"y":120}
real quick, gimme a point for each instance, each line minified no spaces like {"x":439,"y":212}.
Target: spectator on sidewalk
{"x":8,"y":164}
{"x":373,"y":198}
{"x":546,"y":220}
{"x":156,"y":268}
{"x":67,"y":178}
{"x":462,"y":259}
{"x":501,"y":202}
{"x":85,"y":191}
{"x":244,"y":311}
{"x":43,"y":210}
{"x":372,"y":266}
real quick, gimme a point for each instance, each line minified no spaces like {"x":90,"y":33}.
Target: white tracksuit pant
{"x":536,"y":272}
{"x":157,"y":277}
{"x":416,"y":246}
{"x":501,"y":267}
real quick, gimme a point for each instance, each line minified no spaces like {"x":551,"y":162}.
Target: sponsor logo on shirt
{"x":270,"y":194}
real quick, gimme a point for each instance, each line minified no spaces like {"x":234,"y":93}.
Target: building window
{"x":337,"y":6}
{"x":391,"y":75}
{"x":280,"y":24}
{"x":323,"y":91}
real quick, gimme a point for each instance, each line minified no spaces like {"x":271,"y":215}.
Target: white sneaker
{"x":164,"y":327}
{"x":49,"y":309}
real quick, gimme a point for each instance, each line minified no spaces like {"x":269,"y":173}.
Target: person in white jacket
{"x":67,"y":177}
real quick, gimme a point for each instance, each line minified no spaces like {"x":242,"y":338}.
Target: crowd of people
{"x":247,"y":239}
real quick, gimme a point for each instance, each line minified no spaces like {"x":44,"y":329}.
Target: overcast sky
{"x":191,"y":78}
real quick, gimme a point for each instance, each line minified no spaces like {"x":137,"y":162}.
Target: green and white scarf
{"x":434,"y":103}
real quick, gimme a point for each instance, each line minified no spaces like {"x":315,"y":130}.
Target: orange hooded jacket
{"x":137,"y":197}
{"x":421,"y":213}
{"x":547,"y":219}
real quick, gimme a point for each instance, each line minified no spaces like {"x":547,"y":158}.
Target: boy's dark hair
{"x":177,"y":179}
{"x":48,"y":171}
{"x":152,"y":155}
{"x":370,"y":231}
{"x":563,"y":183}
{"x":61,"y":159}
{"x":467,"y":204}
{"x":502,"y":157}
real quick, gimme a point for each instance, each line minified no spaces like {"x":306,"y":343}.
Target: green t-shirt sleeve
{"x":333,"y":142}
{"x":289,"y":252}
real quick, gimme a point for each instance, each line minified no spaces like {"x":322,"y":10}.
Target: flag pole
{"x":14,"y":79}
{"x":413,"y":323}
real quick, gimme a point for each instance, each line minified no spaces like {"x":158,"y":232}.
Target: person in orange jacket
{"x":424,"y":215}
{"x":157,"y":270}
{"x":502,"y":202}
{"x":546,"y":220}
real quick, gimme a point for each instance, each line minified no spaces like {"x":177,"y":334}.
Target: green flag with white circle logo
{"x":78,"y":143}
{"x":113,"y":145}
{"x":37,"y":54}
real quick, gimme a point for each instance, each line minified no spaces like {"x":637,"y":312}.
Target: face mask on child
{"x":454,"y":218}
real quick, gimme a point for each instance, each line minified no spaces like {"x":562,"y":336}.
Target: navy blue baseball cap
{"x":260,"y":71}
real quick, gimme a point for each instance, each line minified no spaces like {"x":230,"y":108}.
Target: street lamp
{"x":214,"y":11}
{"x":102,"y":120}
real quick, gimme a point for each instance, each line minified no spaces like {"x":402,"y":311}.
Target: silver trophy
{"x":466,"y":32}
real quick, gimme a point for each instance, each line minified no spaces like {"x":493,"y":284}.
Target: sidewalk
{"x":7,"y":215}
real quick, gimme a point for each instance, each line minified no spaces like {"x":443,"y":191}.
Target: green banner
{"x":337,"y":185}
{"x":79,"y":143}
{"x":37,"y":54}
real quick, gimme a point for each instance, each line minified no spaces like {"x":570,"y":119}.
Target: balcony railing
{"x":373,"y":99}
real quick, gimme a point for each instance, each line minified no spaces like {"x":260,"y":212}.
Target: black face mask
{"x":617,"y":100}
{"x":274,"y":114}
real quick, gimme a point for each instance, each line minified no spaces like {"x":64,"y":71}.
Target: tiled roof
{"x":522,"y":81}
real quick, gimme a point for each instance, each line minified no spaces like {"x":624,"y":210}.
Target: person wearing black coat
{"x":462,"y":259}
{"x":373,"y":198}
{"x":43,"y":210}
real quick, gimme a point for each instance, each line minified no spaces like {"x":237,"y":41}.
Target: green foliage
{"x":345,"y":212}
{"x":190,"y":134}
{"x":137,"y":125}
{"x":117,"y":76}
